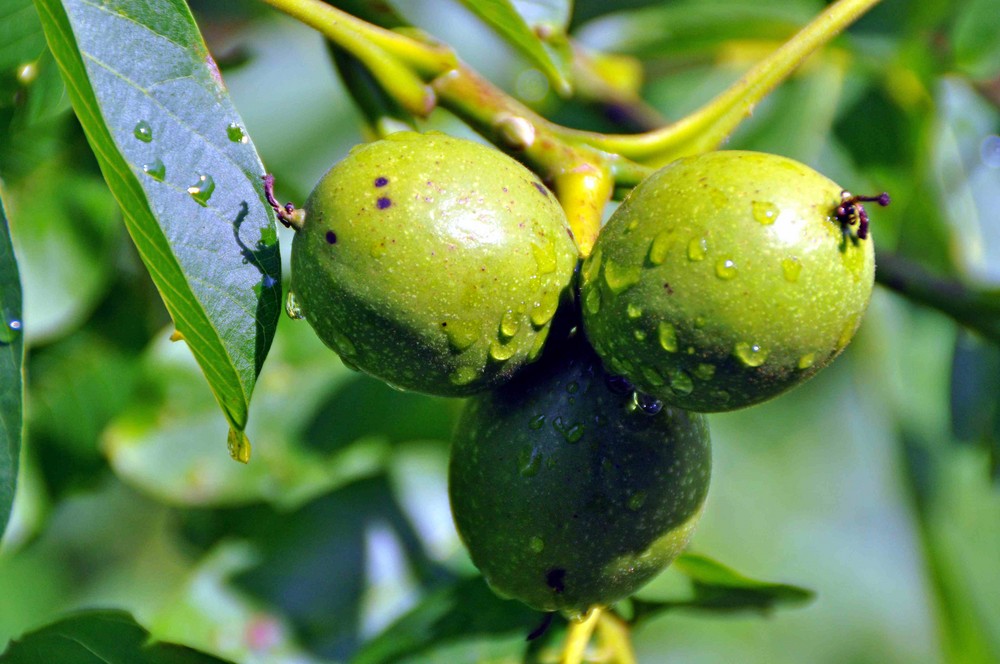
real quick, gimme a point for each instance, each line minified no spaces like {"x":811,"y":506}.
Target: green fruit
{"x":726,"y":278}
{"x":432,"y":262}
{"x":567,"y":494}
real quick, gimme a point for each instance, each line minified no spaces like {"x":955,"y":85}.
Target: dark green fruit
{"x":432,"y":262}
{"x":566,"y":493}
{"x":727,"y":278}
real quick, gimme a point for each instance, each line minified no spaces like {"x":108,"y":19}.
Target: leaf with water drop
{"x":11,"y":362}
{"x":152,"y":101}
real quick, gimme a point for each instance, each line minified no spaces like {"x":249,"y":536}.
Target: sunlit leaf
{"x":503,"y":17}
{"x":174,"y":153}
{"x":11,"y":359}
{"x":98,"y":637}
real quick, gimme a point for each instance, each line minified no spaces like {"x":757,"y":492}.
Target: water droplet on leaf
{"x":143,"y":131}
{"x":202,"y":189}
{"x":155,"y":169}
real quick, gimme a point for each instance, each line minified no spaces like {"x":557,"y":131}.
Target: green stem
{"x":977,"y":309}
{"x":579,"y":635}
{"x":712,"y":123}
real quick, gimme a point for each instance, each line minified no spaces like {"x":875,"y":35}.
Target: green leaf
{"x":976,"y":39}
{"x":716,"y":587}
{"x":464,"y":622}
{"x":98,"y":637}
{"x":172,"y":149}
{"x":11,"y":361}
{"x":503,"y":17}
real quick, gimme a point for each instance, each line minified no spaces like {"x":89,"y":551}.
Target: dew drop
{"x":574,"y":433}
{"x":236,"y":133}
{"x":460,"y":335}
{"x":573,"y":387}
{"x":543,"y":310}
{"x":697,"y":249}
{"x":621,"y":277}
{"x":667,"y":336}
{"x":752,"y":355}
{"x":292,"y":308}
{"x":647,"y":404}
{"x":143,"y":131}
{"x":791,"y":268}
{"x":847,"y":333}
{"x":202,"y":189}
{"x":765,"y":212}
{"x":807,"y":360}
{"x":510,"y":323}
{"x":681,"y":383}
{"x":633,"y":310}
{"x":660,"y":247}
{"x":463,"y":376}
{"x":10,"y":328}
{"x":502,"y":352}
{"x":637,"y":500}
{"x":705,"y":371}
{"x":545,"y":257}
{"x":27,"y":73}
{"x":343,"y":345}
{"x":239,"y":446}
{"x":155,"y":169}
{"x":539,"y":344}
{"x":529,"y":462}
{"x":536,"y":422}
{"x":640,"y":335}
{"x":592,"y":300}
{"x":652,"y":377}
{"x":725,"y":269}
{"x":591,"y":266}
{"x":536,"y":544}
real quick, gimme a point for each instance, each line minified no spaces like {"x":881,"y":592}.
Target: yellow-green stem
{"x":579,"y":635}
{"x":614,"y":636}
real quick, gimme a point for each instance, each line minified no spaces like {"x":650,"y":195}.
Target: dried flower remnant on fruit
{"x":851,"y":212}
{"x":288,"y":214}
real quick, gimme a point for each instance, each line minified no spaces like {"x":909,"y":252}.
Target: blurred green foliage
{"x":870,"y":485}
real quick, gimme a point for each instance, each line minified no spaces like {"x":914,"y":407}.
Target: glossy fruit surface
{"x":432,"y":262}
{"x":567,"y":494}
{"x":724,"y":279}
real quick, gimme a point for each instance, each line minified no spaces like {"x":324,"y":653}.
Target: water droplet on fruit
{"x":543,"y":310}
{"x":536,"y":422}
{"x":592,"y":300}
{"x":202,"y":189}
{"x":591,"y":266}
{"x":502,"y":352}
{"x":621,"y":277}
{"x":847,"y":333}
{"x":667,"y":336}
{"x":637,"y":500}
{"x":705,"y":371}
{"x":155,"y":169}
{"x":529,"y":461}
{"x":765,"y":212}
{"x":652,"y":377}
{"x":10,"y":328}
{"x":697,"y":249}
{"x":460,"y":335}
{"x":660,"y":246}
{"x":143,"y":131}
{"x":575,"y":433}
{"x":536,"y":544}
{"x":545,"y":257}
{"x":236,"y":133}
{"x":647,"y":404}
{"x":725,"y":269}
{"x":510,"y":323}
{"x":640,"y":335}
{"x":807,"y":360}
{"x":463,"y":376}
{"x":680,"y":382}
{"x":377,"y":250}
{"x":633,"y":310}
{"x":539,"y":344}
{"x":752,"y":355}
{"x":791,"y":268}
{"x":292,"y":308}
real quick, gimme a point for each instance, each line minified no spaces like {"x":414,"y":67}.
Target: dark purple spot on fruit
{"x":381,"y":181}
{"x":555,"y":578}
{"x":542,"y":190}
{"x":667,"y":287}
{"x":383,"y":203}
{"x":331,"y":237}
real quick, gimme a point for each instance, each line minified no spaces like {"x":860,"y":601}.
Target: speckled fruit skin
{"x":725,"y":279}
{"x":432,"y":262}
{"x":565,"y":494}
